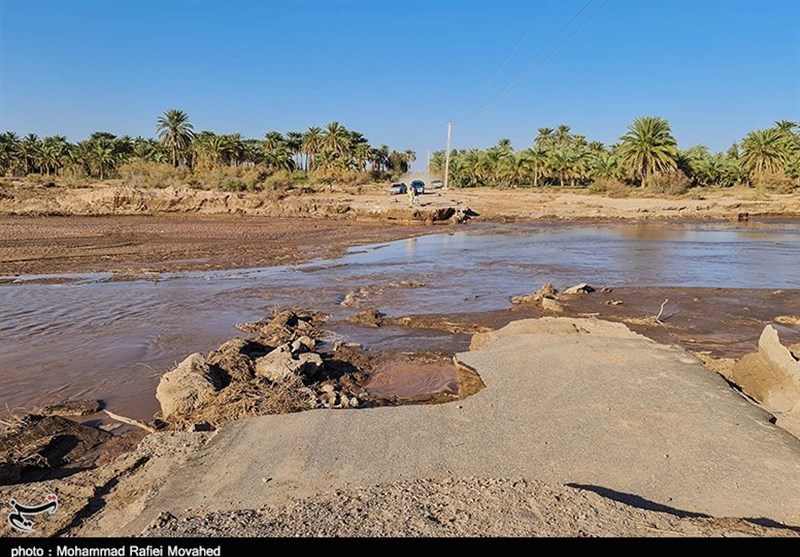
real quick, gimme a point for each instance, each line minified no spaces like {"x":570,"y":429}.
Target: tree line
{"x":647,"y":154}
{"x":331,"y":149}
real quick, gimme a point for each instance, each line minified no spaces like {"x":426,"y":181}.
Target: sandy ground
{"x":137,"y":244}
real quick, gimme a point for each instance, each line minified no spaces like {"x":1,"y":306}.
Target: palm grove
{"x":331,"y":153}
{"x":647,"y":155}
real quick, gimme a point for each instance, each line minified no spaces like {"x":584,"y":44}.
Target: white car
{"x":437,"y":185}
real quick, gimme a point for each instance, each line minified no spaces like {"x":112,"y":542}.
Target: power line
{"x":522,"y":75}
{"x":505,"y":59}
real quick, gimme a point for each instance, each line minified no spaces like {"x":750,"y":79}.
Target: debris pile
{"x":279,"y":370}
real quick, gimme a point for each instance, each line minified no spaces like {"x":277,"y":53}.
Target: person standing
{"x":412,"y":193}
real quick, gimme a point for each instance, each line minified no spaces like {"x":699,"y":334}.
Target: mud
{"x":135,"y":247}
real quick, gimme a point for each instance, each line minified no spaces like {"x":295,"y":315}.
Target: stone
{"x":309,"y":364}
{"x":46,"y":442}
{"x":71,"y":408}
{"x":277,"y":365}
{"x":581,"y":288}
{"x":549,"y":304}
{"x":771,"y":376}
{"x":231,"y":361}
{"x":188,"y":387}
{"x":546,"y":291}
{"x":303,"y":344}
{"x":282,"y":363}
{"x":369,"y":317}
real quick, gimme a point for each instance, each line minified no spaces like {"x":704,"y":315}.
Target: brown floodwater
{"x":91,"y":336}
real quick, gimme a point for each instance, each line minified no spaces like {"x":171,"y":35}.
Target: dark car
{"x":398,"y":189}
{"x":437,"y":184}
{"x":419,"y":186}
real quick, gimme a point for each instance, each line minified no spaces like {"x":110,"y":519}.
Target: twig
{"x":130,"y":421}
{"x":658,"y":317}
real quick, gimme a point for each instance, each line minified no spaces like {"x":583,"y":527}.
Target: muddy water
{"x":94,"y":336}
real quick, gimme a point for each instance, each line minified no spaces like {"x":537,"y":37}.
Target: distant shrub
{"x":145,"y":174}
{"x":282,"y":179}
{"x":40,"y":179}
{"x":672,"y":182}
{"x":775,"y":182}
{"x":230,"y":178}
{"x":610,"y":187}
{"x":339,"y":176}
{"x":74,"y":176}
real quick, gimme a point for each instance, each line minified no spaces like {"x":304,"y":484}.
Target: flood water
{"x":86,"y":336}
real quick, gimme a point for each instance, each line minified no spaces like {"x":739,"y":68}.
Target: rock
{"x":788,"y":320}
{"x":614,"y":302}
{"x":462,"y":215}
{"x":369,"y":317}
{"x":546,"y":291}
{"x":277,"y":365}
{"x":349,"y":300}
{"x":230,"y":360}
{"x":45,"y":442}
{"x":188,"y":387}
{"x":303,"y":344}
{"x":771,"y":375}
{"x":327,"y":388}
{"x":282,"y":363}
{"x":71,"y":408}
{"x":581,"y":288}
{"x":328,"y":400}
{"x":309,"y":364}
{"x":550,"y":304}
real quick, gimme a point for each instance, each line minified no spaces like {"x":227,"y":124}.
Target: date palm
{"x":294,"y":142}
{"x":175,"y":133}
{"x":648,"y":147}
{"x":544,"y":138}
{"x":312,"y":144}
{"x":336,"y":138}
{"x":102,"y":154}
{"x":764,"y":151}
{"x":562,"y":135}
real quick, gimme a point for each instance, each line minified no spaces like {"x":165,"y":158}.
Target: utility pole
{"x":447,"y":156}
{"x":428,"y":164}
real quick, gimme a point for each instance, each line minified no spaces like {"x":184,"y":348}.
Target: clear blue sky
{"x":398,"y":70}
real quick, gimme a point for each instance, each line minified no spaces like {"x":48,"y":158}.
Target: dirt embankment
{"x":373,"y":203}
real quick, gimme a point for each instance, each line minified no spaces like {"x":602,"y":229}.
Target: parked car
{"x":418,"y":185}
{"x":437,"y":184}
{"x":398,"y":189}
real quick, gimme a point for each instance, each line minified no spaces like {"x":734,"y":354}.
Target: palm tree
{"x":29,"y":150}
{"x":336,"y":138}
{"x":175,"y":133}
{"x":294,"y":142}
{"x":764,"y":151}
{"x":103,"y":156}
{"x":562,"y":135}
{"x":648,"y":147}
{"x":544,"y":138}
{"x":504,"y":145}
{"x":312,"y":144}
{"x":409,"y":156}
{"x":534,"y":161}
{"x":273,"y":141}
{"x":362,"y":154}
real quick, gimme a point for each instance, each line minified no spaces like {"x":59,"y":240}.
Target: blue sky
{"x":397,"y":71}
